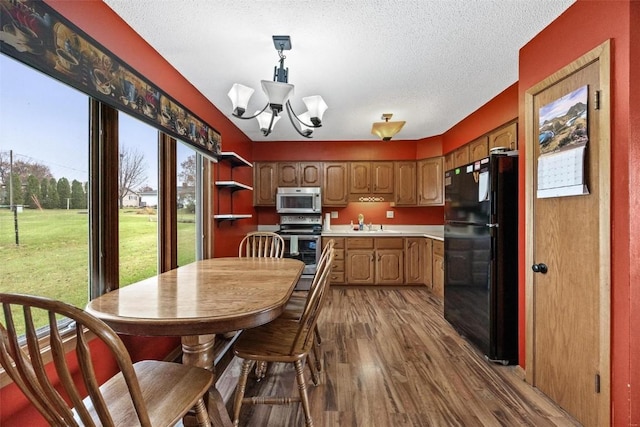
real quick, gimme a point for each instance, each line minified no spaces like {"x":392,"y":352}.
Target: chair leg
{"x":261,"y":370}
{"x":240,"y":388}
{"x":318,"y":338}
{"x":202,"y":416}
{"x":302,"y":388}
{"x":312,"y":367}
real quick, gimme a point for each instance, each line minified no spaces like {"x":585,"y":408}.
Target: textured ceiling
{"x":429,"y":62}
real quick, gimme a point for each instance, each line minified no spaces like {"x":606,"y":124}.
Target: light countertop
{"x":430,"y":231}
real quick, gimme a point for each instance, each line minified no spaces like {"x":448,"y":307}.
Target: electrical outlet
{"x":334,"y":214}
{"x":389,"y":214}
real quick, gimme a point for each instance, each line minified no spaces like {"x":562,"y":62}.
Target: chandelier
{"x":278,"y":93}
{"x":386,"y":130}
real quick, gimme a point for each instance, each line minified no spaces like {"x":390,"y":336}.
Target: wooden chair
{"x":147,"y":393}
{"x":261,"y":244}
{"x":296,"y":304}
{"x":283,"y":340}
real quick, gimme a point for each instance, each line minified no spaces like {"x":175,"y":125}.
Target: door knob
{"x":540,"y":268}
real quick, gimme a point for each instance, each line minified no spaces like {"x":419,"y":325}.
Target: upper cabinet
{"x":461,"y":156}
{"x":371,"y":178}
{"x":405,"y":183}
{"x":265,"y":183}
{"x":299,"y":174}
{"x":335,"y":184}
{"x":430,"y":181}
{"x":505,"y":136}
{"x":478,"y":149}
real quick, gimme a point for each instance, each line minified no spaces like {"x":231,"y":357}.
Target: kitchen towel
{"x":293,"y":245}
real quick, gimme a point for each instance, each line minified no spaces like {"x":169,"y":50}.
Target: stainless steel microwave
{"x":299,"y":200}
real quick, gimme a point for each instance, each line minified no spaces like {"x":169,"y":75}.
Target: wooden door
{"x":414,"y":248}
{"x":360,"y":266}
{"x":405,"y":183}
{"x":382,"y":177}
{"x":389,"y":269}
{"x":430,"y":182}
{"x":360,"y":178}
{"x":479,"y":148}
{"x":438,"y":268}
{"x":265,"y":184}
{"x":461,"y":156}
{"x":568,"y":304}
{"x":310,"y":174}
{"x":335,"y":184}
{"x":506,"y":137}
{"x":288,"y":174}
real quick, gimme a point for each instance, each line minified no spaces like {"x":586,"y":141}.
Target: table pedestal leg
{"x":197,"y":350}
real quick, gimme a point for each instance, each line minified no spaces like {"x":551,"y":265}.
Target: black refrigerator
{"x":481,"y":254}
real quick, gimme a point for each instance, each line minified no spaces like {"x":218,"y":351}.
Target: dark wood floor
{"x":391,"y":360}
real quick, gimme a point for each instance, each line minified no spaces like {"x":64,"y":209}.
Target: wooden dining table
{"x":199,"y":300}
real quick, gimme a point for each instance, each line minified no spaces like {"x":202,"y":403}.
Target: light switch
{"x":334,"y":214}
{"x":389,"y":214}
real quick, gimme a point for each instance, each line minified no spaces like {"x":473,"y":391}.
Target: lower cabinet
{"x":372,"y":260}
{"x":337,"y":268}
{"x":388,"y":261}
{"x":438,"y":268}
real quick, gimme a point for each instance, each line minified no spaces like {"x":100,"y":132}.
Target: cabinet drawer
{"x":339,"y":242}
{"x":339,"y":254}
{"x":438,"y":247}
{"x":389,"y":242}
{"x":360,"y":243}
{"x":337,"y":266}
{"x":337,"y":277}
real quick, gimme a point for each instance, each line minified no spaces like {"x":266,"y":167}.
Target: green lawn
{"x":52,"y":256}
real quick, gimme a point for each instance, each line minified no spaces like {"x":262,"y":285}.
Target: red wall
{"x":585,"y":25}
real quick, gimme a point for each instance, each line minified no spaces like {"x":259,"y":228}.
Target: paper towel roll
{"x":327,"y":222}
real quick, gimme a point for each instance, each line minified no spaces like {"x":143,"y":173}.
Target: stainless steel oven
{"x":301,"y":234}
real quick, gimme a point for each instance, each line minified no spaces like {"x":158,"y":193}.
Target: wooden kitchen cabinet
{"x":506,"y":136}
{"x":389,"y":261}
{"x":461,"y":156}
{"x":427,"y":263}
{"x":449,"y":161}
{"x":479,"y":148}
{"x":414,"y":252}
{"x":359,"y":261}
{"x":405,"y":180}
{"x":335,"y":184}
{"x":438,"y":268}
{"x":371,"y":178}
{"x":299,"y":174}
{"x":265,"y":183}
{"x":337,"y":276}
{"x":430,"y":182}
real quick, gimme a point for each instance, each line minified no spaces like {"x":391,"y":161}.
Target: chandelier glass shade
{"x":279,"y":92}
{"x":386,"y":130}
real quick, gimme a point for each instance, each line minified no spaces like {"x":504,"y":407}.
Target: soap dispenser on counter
{"x":360,"y":222}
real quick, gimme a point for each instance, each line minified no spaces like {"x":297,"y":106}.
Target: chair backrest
{"x":261,"y":244}
{"x":27,"y":367}
{"x":313,"y":305}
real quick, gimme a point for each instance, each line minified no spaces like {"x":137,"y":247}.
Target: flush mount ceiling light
{"x":386,"y":130}
{"x":278,"y":93}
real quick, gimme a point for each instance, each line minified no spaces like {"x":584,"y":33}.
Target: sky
{"x":45,"y":121}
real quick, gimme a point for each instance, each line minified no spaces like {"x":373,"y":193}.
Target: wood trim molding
{"x":167,"y":203}
{"x":602,"y":55}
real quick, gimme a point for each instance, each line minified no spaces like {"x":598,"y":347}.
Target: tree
{"x":32,"y":193}
{"x":45,"y":202}
{"x":23,"y":168}
{"x":54,"y":199}
{"x":132,"y":172}
{"x":78,"y":197}
{"x":17,"y":191}
{"x":188,"y":172}
{"x":64,"y":192}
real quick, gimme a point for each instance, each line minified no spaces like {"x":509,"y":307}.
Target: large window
{"x":137,"y":200}
{"x":44,"y":172}
{"x":55,"y":184}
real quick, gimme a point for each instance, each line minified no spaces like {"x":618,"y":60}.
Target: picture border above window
{"x":35,"y":34}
